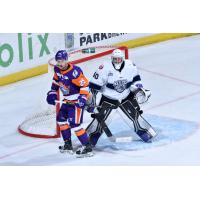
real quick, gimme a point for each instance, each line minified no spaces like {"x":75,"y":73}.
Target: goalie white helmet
{"x":117,"y":58}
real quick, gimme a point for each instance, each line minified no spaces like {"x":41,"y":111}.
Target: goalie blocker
{"x":131,"y":109}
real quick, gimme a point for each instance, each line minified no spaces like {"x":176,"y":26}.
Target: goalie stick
{"x":99,"y":117}
{"x":140,"y":124}
{"x":103,"y":125}
{"x":108,"y":133}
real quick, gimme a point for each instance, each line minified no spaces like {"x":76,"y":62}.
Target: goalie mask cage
{"x":42,"y":124}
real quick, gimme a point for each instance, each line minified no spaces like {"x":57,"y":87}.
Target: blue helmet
{"x":61,"y":55}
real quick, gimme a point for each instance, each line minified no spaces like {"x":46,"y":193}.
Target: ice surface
{"x":170,"y":69}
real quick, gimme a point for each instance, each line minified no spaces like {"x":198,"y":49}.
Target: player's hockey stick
{"x":66,"y":102}
{"x":73,"y":102}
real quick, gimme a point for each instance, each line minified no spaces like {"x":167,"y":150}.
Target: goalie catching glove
{"x":142,"y":95}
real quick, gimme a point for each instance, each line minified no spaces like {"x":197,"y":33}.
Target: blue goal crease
{"x":169,"y":130}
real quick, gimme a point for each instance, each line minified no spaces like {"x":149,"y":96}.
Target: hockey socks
{"x":65,"y":132}
{"x":82,"y":136}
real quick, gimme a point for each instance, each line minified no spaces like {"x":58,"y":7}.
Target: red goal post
{"x":27,"y":126}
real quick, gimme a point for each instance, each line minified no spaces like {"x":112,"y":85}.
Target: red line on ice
{"x":173,"y":78}
{"x":170,"y":77}
{"x":174,"y":100}
{"x":159,"y":105}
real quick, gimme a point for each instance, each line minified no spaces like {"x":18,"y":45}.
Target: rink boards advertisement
{"x":22,"y":51}
{"x":24,"y":55}
{"x":81,"y":40}
{"x":168,"y":66}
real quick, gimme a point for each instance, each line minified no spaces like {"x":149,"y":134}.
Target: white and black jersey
{"x":118,"y":87}
{"x":115,"y":83}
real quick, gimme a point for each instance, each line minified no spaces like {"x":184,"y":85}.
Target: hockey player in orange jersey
{"x":74,"y":87}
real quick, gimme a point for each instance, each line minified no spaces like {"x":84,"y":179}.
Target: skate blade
{"x":85,"y":155}
{"x":67,"y":151}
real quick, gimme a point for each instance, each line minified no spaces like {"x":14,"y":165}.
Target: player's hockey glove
{"x":81,"y":101}
{"x":51,"y":97}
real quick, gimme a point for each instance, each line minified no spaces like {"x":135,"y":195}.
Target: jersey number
{"x":96,"y":75}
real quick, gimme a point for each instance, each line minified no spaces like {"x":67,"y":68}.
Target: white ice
{"x":170,"y":69}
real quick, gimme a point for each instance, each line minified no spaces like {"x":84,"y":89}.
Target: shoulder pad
{"x":101,"y":66}
{"x":129,"y":62}
{"x":76,"y":71}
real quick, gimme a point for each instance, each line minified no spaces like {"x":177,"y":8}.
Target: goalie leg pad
{"x":142,"y":128}
{"x":97,"y":126}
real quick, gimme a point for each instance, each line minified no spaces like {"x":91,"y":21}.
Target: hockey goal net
{"x":42,"y":124}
